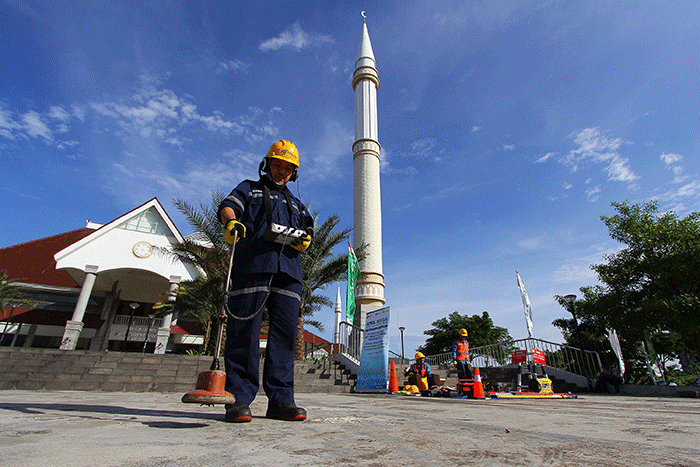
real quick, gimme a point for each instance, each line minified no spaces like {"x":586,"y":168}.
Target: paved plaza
{"x":72,"y":428}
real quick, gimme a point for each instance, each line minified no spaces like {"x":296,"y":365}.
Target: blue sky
{"x":507,"y":128}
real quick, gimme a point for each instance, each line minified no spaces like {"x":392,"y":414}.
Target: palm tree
{"x":12,"y":296}
{"x":321,"y":268}
{"x":208,"y":251}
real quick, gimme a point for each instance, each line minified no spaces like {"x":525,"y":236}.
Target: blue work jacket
{"x":254,"y":254}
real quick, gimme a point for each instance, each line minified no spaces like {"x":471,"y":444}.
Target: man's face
{"x":280,"y":171}
{"x":419,"y":361}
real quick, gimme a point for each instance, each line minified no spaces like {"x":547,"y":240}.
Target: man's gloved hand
{"x":301,"y":243}
{"x":232,"y":225}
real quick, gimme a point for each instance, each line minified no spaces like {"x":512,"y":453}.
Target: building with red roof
{"x":94,"y":288}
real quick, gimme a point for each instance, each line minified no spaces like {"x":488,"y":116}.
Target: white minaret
{"x":338,"y":313}
{"x":367,"y":209}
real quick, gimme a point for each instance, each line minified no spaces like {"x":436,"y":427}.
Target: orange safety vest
{"x":462,"y":351}
{"x":423,"y":369}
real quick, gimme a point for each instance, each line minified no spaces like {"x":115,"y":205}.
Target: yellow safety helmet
{"x":284,"y":150}
{"x":419,"y":355}
{"x":463,"y":332}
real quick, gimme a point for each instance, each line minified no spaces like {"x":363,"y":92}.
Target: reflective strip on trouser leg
{"x":242,"y":354}
{"x":278,"y":371}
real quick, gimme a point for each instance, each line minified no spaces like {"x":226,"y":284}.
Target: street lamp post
{"x":133,"y":306}
{"x":148,"y":330}
{"x":402,"y":329}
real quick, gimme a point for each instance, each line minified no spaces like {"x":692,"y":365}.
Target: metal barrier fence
{"x":351,"y":340}
{"x":577,"y":361}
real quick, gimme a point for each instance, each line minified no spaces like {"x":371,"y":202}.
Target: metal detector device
{"x":210,"y":384}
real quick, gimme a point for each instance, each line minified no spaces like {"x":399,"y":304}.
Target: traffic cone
{"x":478,"y":386}
{"x":393,"y":379}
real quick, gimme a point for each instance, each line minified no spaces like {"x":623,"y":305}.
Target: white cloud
{"x":475,"y":128}
{"x":34,"y":126}
{"x":670,"y":158}
{"x":232,"y":65}
{"x":293,"y":37}
{"x":59,"y":113}
{"x":545,"y":157}
{"x":592,"y":193}
{"x":508,"y":147}
{"x":595,"y":147}
{"x":567,"y":186}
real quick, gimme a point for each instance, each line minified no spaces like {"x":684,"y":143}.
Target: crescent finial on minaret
{"x":364,"y":15}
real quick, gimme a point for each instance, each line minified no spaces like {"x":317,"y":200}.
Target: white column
{"x":164,"y":329}
{"x":75,"y":325}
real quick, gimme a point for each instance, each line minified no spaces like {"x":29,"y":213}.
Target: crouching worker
{"x":419,"y":374}
{"x":266,"y":273}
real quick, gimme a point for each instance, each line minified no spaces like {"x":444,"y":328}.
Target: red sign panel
{"x":538,"y":356}
{"x":519,"y":356}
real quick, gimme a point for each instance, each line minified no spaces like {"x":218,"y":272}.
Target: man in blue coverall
{"x":266,"y":271}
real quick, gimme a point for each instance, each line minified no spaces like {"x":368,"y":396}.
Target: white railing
{"x":566,"y":358}
{"x":350,"y":340}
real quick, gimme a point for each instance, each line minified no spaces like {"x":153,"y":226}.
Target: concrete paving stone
{"x":107,"y":364}
{"x":113,"y":387}
{"x":112,"y":429}
{"x":59,"y":385}
{"x":140,"y":379}
{"x":30,"y":385}
{"x":100,"y":371}
{"x":117,"y":378}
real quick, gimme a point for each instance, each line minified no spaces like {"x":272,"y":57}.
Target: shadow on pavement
{"x":39,"y":408}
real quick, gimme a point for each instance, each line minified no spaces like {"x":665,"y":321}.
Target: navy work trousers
{"x":242,"y":351}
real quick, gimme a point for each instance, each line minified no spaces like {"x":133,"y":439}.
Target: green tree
{"x":207,"y":250}
{"x":481,"y":332}
{"x":12,"y":297}
{"x":9,"y":292}
{"x":652,"y":284}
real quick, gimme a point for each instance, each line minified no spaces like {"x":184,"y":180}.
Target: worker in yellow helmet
{"x":419,"y":370}
{"x":272,"y":228}
{"x":460,"y":355}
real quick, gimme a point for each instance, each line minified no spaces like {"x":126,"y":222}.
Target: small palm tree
{"x":12,"y":297}
{"x":320,"y":269}
{"x":208,"y":251}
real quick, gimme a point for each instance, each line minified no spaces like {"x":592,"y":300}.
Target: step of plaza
{"x":84,"y":370}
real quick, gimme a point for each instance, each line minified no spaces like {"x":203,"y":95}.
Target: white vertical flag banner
{"x":615,"y":344}
{"x":526,"y":304}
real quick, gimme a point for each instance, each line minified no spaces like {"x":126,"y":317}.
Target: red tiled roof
{"x":309,"y":337}
{"x":187,"y":327}
{"x":33,"y":262}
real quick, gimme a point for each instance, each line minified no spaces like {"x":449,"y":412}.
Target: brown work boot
{"x":238,"y":413}
{"x":286,"y":411}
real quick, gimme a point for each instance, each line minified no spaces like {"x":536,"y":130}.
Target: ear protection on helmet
{"x":265,"y":167}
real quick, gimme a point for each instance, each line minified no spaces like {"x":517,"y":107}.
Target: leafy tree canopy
{"x":652,"y":284}
{"x":446,"y":330}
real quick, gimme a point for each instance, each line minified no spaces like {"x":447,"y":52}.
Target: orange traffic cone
{"x":478,"y":386}
{"x":393,"y":379}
